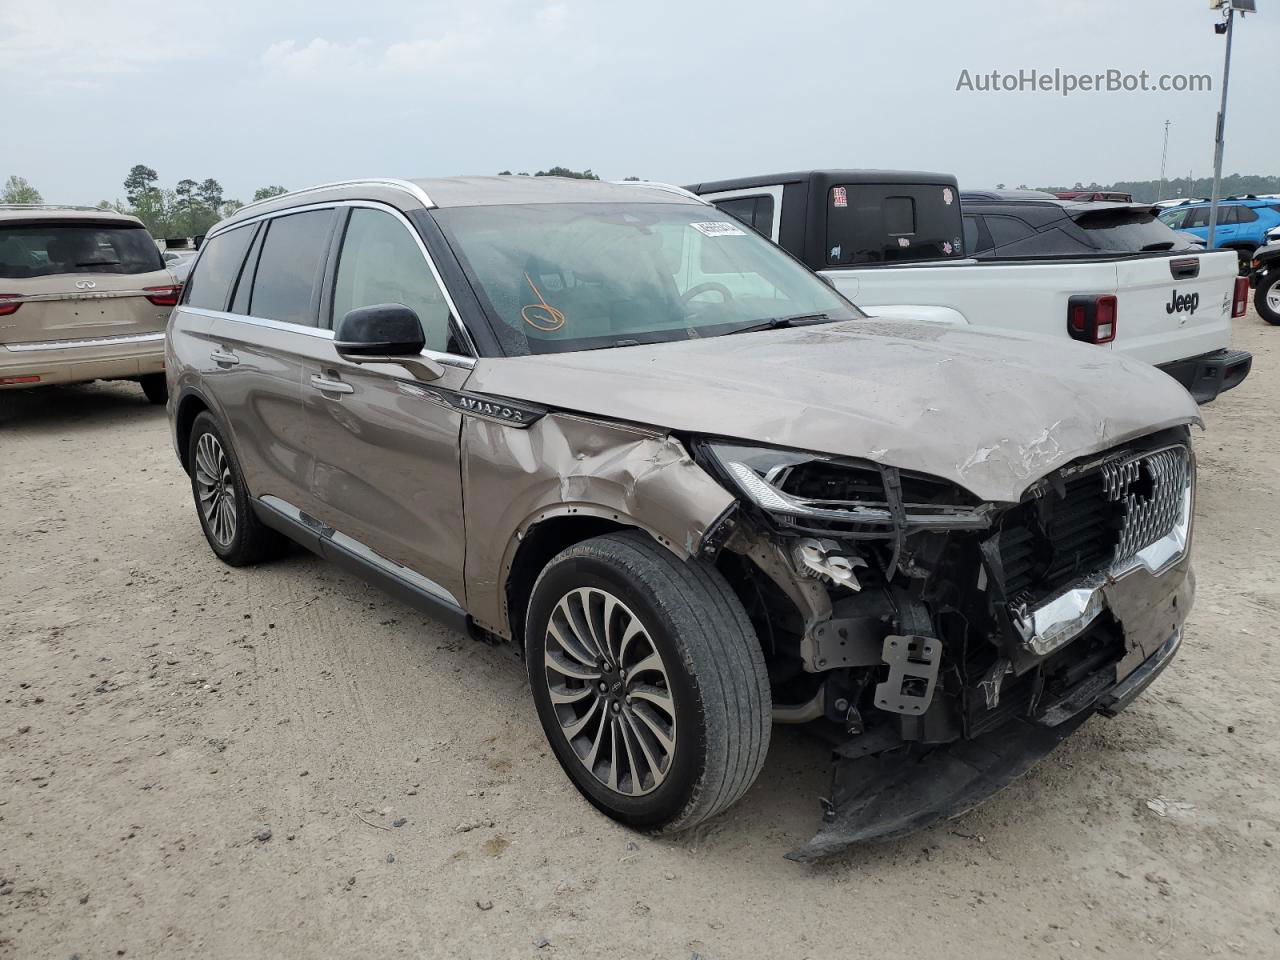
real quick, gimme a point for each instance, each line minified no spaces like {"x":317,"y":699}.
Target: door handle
{"x":222,"y":356}
{"x":325,"y":385}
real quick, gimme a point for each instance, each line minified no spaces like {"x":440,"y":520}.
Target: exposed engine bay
{"x":942,"y":645}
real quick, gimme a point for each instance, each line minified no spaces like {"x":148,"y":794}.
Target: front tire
{"x":648,"y":680}
{"x":1267,"y":299}
{"x":155,"y":387}
{"x":233,"y":530}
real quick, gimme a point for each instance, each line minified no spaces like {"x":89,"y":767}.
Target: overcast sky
{"x":297,"y":92}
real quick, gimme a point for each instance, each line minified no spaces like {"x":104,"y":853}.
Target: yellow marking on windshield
{"x":545,"y":318}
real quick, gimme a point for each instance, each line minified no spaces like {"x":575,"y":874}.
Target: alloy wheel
{"x":216,"y":489}
{"x":610,"y":692}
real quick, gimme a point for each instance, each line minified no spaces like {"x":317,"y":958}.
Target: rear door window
{"x":287,"y":281}
{"x":210,"y":282}
{"x":1006,"y":231}
{"x":50,"y":249}
{"x":1199,"y":217}
{"x":1174,"y":219}
{"x":886,"y":223}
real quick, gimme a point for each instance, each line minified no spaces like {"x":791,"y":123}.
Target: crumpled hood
{"x":988,"y":410}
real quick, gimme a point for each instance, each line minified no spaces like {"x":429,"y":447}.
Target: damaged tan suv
{"x":84,"y":295}
{"x":698,"y":489}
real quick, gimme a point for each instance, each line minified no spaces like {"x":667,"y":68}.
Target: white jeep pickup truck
{"x":905,"y":244}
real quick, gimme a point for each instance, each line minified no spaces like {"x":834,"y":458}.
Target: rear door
{"x":73,"y":280}
{"x":257,"y":347}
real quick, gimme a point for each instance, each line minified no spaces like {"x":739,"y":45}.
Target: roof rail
{"x":668,"y":187}
{"x":407,"y":186}
{"x":54,"y":206}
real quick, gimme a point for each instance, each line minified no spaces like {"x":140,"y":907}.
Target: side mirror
{"x":382,"y":330}
{"x":385,"y":333}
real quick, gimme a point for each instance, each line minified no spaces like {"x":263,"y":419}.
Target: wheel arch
{"x":543,"y":537}
{"x":191,"y":403}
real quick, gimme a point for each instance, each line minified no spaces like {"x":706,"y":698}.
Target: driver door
{"x":386,"y":461}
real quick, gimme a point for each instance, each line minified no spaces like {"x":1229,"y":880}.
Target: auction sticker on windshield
{"x":718,"y":228}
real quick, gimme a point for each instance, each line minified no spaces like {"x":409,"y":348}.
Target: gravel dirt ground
{"x":282,"y":762}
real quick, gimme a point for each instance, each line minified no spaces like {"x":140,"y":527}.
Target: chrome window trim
{"x":448,"y":359}
{"x":260,"y":322}
{"x":431,"y":265}
{"x":396,"y":183}
{"x":92,"y":342}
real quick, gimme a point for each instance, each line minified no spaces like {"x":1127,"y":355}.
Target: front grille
{"x":1101,"y":518}
{"x":1150,"y":489}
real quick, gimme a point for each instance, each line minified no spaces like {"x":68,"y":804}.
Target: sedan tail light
{"x":164,"y":296}
{"x":1092,"y":319}
{"x":1240,"y":302}
{"x":9,"y":303}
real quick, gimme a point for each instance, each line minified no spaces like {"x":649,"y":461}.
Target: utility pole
{"x":1164,"y":159}
{"x":1229,"y":8}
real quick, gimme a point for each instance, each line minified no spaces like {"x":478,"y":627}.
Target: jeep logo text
{"x":1182,"y":303}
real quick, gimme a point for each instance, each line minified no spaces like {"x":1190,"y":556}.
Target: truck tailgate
{"x":1174,"y":307}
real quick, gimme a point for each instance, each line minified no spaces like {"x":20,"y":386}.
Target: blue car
{"x":1243,"y":222}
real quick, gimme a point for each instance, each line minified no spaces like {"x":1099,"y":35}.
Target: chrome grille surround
{"x":1155,"y":534}
{"x":1150,"y":514}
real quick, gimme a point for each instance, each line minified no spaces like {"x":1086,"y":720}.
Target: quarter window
{"x":1008,"y":230}
{"x":382,"y":263}
{"x":288,"y":274}
{"x":210,"y":282}
{"x":755,"y":212}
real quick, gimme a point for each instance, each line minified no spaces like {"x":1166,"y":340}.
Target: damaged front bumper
{"x":897,"y":793}
{"x":944,"y":651}
{"x":915,"y":785}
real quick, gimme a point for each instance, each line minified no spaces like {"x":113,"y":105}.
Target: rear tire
{"x":1267,"y":298}
{"x":155,"y":387}
{"x":622,"y":631}
{"x":223,"y":505}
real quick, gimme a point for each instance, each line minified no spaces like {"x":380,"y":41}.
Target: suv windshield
{"x":582,"y":276}
{"x":1128,"y":231}
{"x":47,"y":249}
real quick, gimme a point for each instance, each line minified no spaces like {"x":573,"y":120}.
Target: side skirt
{"x":352,"y":555}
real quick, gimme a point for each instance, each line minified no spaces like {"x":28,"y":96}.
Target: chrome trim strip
{"x":407,"y":186}
{"x":390,"y":567}
{"x":1061,"y":619}
{"x":94,"y":342}
{"x":261,"y":322}
{"x":446,"y":358}
{"x":431,"y":265}
{"x":103,"y":295}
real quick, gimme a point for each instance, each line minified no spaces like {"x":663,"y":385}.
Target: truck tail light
{"x":1092,"y":319}
{"x":9,"y":303}
{"x":1240,"y":302}
{"x":164,"y":296}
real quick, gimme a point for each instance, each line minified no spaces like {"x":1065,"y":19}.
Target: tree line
{"x":189,"y":209}
{"x":1149,"y":191}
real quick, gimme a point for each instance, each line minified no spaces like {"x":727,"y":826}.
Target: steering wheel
{"x":708,"y":287}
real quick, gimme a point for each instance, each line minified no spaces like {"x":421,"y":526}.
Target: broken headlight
{"x":819,"y":493}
